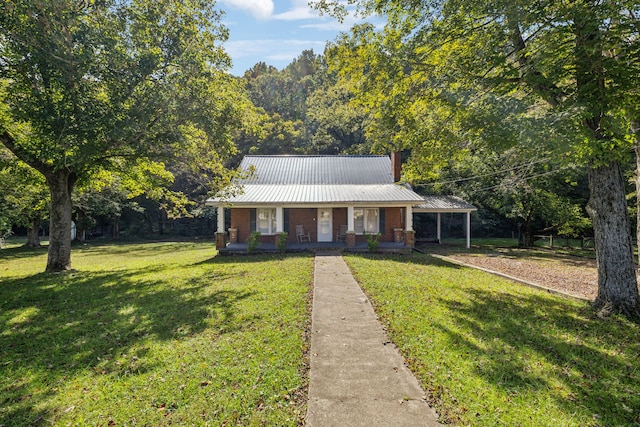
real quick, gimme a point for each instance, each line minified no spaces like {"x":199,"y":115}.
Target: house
{"x":327,"y":199}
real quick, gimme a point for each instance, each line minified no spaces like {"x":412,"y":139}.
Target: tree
{"x":336,"y":124}
{"x":23,"y":197}
{"x":110,"y":81}
{"x":565,"y":60}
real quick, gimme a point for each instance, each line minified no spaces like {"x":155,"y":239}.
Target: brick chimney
{"x":396,"y":166}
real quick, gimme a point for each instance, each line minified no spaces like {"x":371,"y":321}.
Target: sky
{"x":275,"y":32}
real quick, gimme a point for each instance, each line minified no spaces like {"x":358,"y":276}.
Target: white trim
{"x":468,"y":230}
{"x":279,"y":219}
{"x":220,"y":228}
{"x":329,"y":236}
{"x":270,"y":229}
{"x":409,"y":219}
{"x":350,"y":222}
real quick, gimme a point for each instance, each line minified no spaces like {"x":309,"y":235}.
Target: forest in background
{"x":124,"y":114}
{"x":306,"y":109}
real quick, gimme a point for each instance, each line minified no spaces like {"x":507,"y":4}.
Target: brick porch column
{"x":350,"y":239}
{"x":410,"y":238}
{"x":398,"y":235}
{"x":220,"y":240}
{"x":233,"y":235}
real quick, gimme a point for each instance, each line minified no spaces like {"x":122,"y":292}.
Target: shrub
{"x":373,"y":241}
{"x":282,"y":241}
{"x":253,"y":241}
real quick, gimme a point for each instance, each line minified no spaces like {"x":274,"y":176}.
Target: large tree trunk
{"x":637,"y":149}
{"x":635,"y":129}
{"x":60,"y":185}
{"x":607,"y":207}
{"x":33,"y":234}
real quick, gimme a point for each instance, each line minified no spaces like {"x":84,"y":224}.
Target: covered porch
{"x":325,"y":225}
{"x":447,"y":204}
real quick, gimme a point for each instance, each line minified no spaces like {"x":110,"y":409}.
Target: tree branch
{"x":9,"y":142}
{"x":534,"y":78}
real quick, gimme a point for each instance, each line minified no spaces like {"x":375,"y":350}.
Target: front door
{"x":325,"y":225}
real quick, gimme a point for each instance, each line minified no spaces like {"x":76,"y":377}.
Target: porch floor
{"x":241,"y":248}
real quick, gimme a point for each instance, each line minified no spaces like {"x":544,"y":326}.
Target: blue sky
{"x":275,"y":32}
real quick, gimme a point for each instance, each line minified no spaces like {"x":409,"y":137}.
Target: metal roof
{"x":328,"y":180}
{"x":379,"y":194}
{"x":318,"y":170}
{"x":444,"y":204}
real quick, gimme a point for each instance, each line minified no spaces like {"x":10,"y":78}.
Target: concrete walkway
{"x":357,"y":377}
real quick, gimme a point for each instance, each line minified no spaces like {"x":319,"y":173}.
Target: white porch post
{"x":468,"y":230}
{"x":220,"y":219}
{"x":409,"y":218}
{"x":438,"y":227}
{"x":279,"y":219}
{"x":350,"y":222}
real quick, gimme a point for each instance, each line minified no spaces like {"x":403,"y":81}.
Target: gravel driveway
{"x":565,"y":273}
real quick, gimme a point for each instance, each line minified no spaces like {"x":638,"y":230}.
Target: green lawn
{"x":153,"y":334}
{"x":490,"y":352}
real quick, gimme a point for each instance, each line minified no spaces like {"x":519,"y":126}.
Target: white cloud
{"x":260,"y":9}
{"x":298,"y":10}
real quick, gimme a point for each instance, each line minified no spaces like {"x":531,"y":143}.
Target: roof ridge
{"x":315,"y":155}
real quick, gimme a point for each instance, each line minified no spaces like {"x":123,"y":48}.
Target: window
{"x":366,"y":220}
{"x":266,"y":221}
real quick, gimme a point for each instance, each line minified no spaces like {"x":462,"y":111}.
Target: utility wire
{"x":483,"y":175}
{"x":524,"y":179}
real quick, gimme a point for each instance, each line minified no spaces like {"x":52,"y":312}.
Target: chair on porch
{"x":301,"y":235}
{"x":341,"y":235}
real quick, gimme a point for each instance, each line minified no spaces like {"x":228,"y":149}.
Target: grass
{"x":153,"y":334}
{"x":541,"y":246}
{"x":490,"y":352}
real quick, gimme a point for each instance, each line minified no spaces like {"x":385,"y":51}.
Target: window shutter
{"x":252,"y":220}
{"x":285,"y":226}
{"x":382,"y":220}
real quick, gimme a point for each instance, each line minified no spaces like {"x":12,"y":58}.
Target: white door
{"x":325,"y":225}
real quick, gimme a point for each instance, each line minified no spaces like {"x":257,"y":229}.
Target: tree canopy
{"x":560,"y":73}
{"x":93,"y":83}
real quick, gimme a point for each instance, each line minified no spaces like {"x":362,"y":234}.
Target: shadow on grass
{"x":55,"y":326}
{"x":593,"y":362}
{"x":19,"y":252}
{"x":525,"y":345}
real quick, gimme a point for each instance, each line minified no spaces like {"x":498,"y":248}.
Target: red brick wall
{"x":305,"y":217}
{"x":339,"y":218}
{"x":393,"y":219}
{"x":240,"y":220}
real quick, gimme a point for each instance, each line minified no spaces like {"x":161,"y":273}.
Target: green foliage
{"x":338,"y":124}
{"x":253,"y":241}
{"x":492,"y":352}
{"x":282,"y":241}
{"x":153,"y":334}
{"x":111,"y":85}
{"x":24,"y":197}
{"x":373,"y":241}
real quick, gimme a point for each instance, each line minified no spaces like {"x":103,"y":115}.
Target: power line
{"x":524,"y":179}
{"x":483,"y":175}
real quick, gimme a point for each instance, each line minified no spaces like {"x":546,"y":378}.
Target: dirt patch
{"x":573,"y":275}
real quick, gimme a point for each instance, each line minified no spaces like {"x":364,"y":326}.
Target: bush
{"x":282,"y":241}
{"x":373,"y":241}
{"x":253,"y":241}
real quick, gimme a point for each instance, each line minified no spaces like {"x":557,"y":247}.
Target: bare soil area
{"x":565,"y":273}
